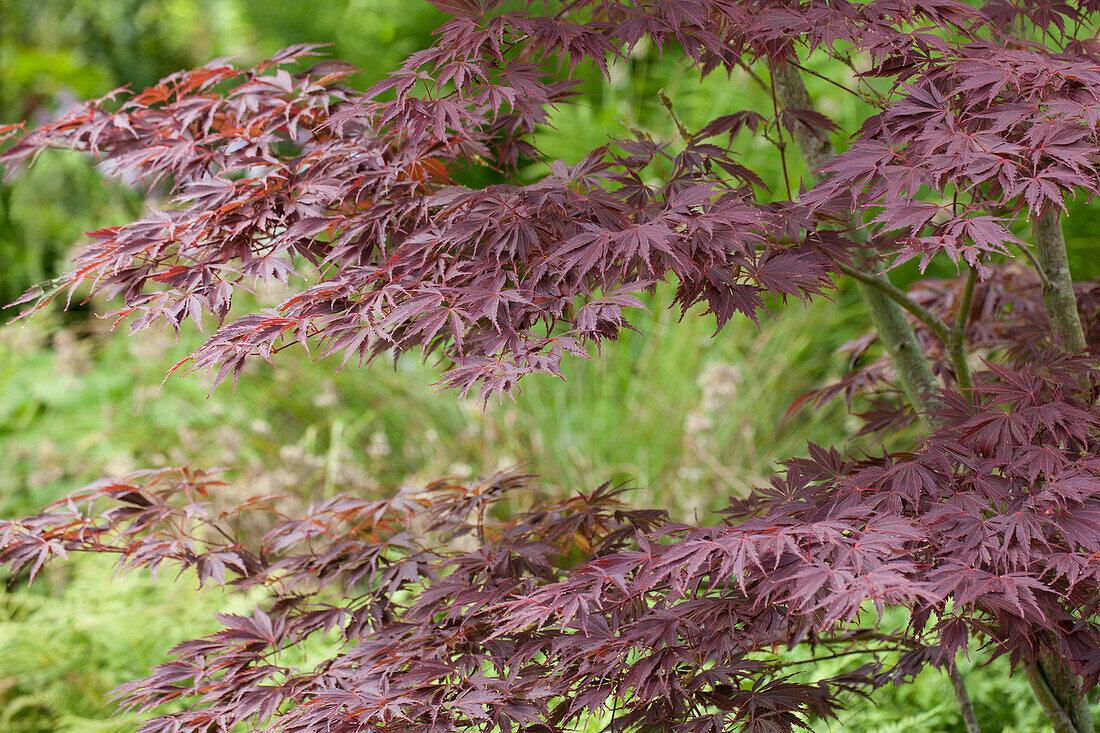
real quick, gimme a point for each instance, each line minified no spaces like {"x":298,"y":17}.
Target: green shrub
{"x":64,"y":646}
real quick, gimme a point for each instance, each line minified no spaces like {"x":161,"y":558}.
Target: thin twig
{"x":685,"y":135}
{"x":752,"y":74}
{"x":934,"y":323}
{"x":835,"y":83}
{"x":873,"y":95}
{"x":782,"y":144}
{"x":1043,"y":279}
{"x":838,"y":655}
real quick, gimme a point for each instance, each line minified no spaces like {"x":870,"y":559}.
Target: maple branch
{"x":962,"y":697}
{"x":1043,"y":279}
{"x":752,"y":74}
{"x":934,"y":323}
{"x":884,"y":300}
{"x":781,"y":145}
{"x":1055,"y":686}
{"x":788,"y":86}
{"x":1063,"y":718}
{"x":1061,"y":304}
{"x":956,"y":346}
{"x":895,"y":331}
{"x":840,"y":655}
{"x":835,"y":83}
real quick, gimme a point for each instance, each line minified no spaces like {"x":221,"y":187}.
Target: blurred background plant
{"x":55,"y":52}
{"x":687,"y":418}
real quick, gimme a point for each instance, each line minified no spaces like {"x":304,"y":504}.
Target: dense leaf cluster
{"x":278,"y":173}
{"x":451,"y":618}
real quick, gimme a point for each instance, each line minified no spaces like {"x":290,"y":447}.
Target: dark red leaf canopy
{"x":276,"y":175}
{"x":449,"y":619}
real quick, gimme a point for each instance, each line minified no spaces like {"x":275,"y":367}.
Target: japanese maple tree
{"x":454,"y":617}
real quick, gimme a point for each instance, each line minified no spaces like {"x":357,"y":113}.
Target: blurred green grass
{"x":688,"y":418}
{"x":79,"y":632}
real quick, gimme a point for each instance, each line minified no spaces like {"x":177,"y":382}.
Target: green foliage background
{"x":688,"y":418}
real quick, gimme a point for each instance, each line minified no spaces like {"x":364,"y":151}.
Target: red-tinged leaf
{"x":458,"y":7}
